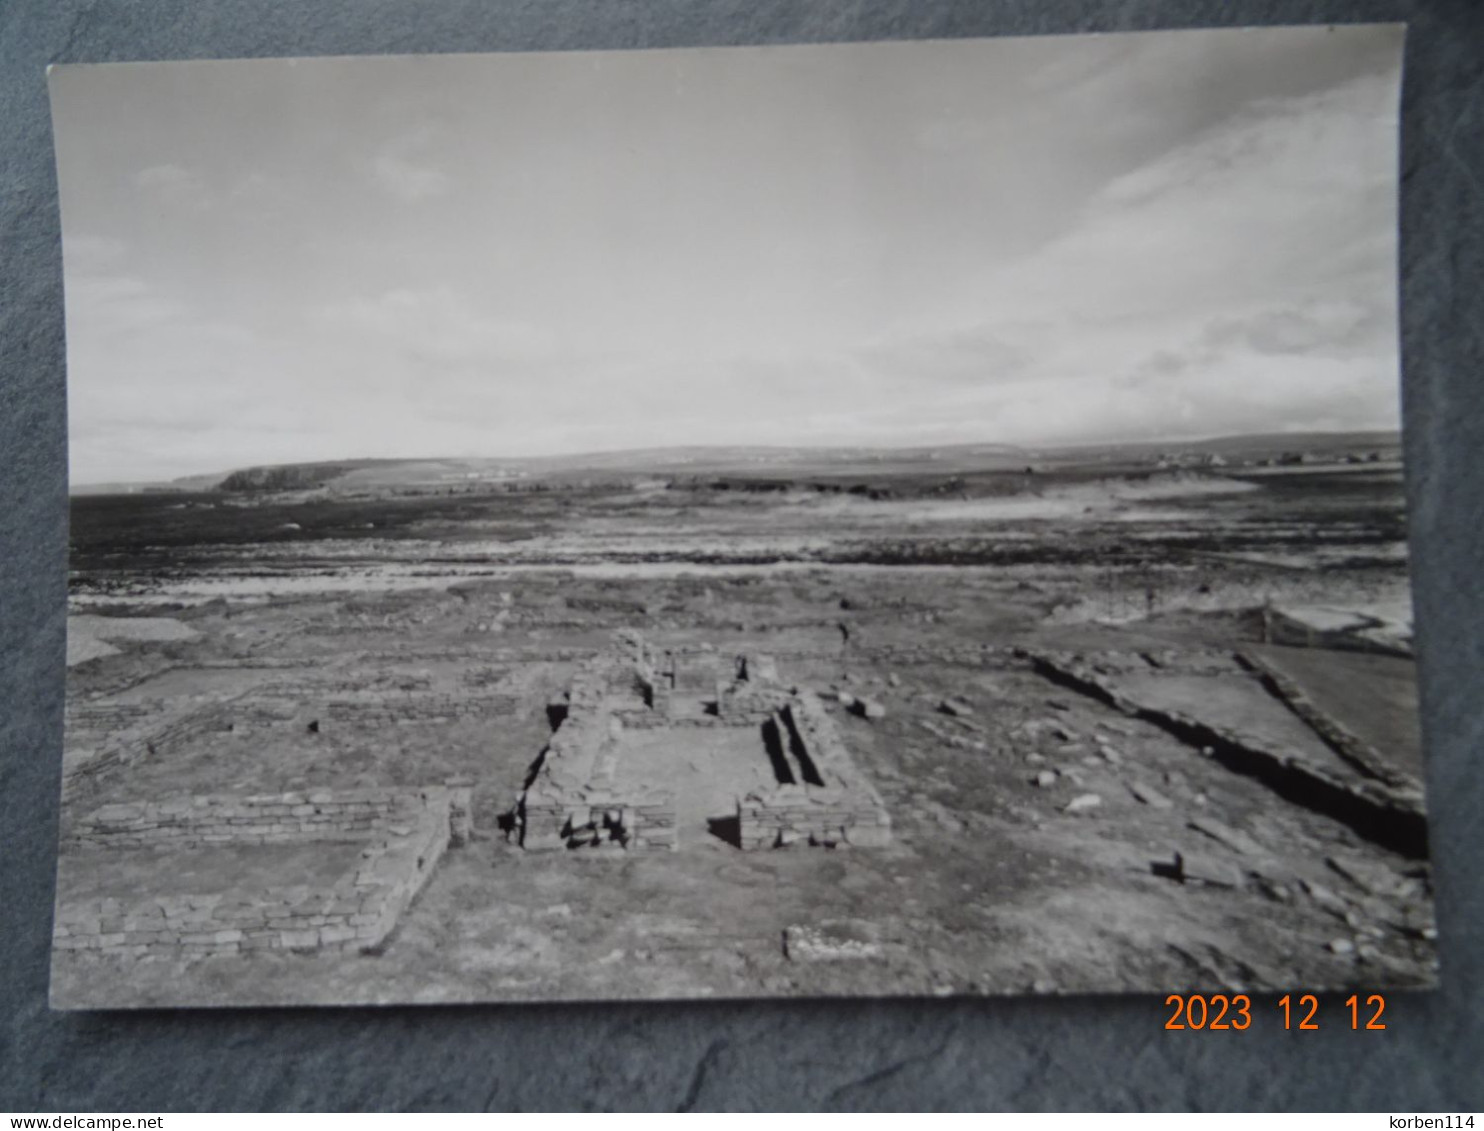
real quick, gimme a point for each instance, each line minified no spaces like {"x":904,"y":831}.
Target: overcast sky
{"x":1026,"y":241}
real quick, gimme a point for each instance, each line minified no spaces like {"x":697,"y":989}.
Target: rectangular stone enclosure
{"x":217,"y":875}
{"x":654,"y":749}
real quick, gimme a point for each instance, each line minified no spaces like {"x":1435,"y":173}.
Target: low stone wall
{"x":594,"y":818}
{"x":274,"y":818}
{"x":742,"y":702}
{"x":125,"y":681}
{"x":987,"y":655}
{"x":98,"y":736}
{"x":653,"y":720}
{"x":88,"y":751}
{"x":467,"y":654}
{"x":1369,"y":634}
{"x":108,"y":718}
{"x":484,"y":675}
{"x":322,"y":688}
{"x":816,"y":816}
{"x":213,"y":719}
{"x":822,"y":741}
{"x":572,"y":802}
{"x":357,"y":913}
{"x":1343,"y":741}
{"x":394,"y":708}
{"x":839,"y":808}
{"x":1391,"y":816}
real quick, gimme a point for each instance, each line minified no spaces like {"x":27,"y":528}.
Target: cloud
{"x":402,"y":178}
{"x":104,"y":310}
{"x":1123,"y":245}
{"x":159,"y":386}
{"x":440,"y":327}
{"x":263,"y":195}
{"x":404,"y":168}
{"x":965,"y":356}
{"x":91,"y":254}
{"x":1278,"y":197}
{"x":1242,"y":279}
{"x":174,"y":186}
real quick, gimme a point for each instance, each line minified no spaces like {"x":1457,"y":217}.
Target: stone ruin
{"x":390,"y":840}
{"x":334,"y":869}
{"x":577,"y":794}
{"x":103,"y":737}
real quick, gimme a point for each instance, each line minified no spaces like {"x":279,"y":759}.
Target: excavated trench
{"x":1368,"y":809}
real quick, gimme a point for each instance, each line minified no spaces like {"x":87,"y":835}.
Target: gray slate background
{"x":1082,"y":1053}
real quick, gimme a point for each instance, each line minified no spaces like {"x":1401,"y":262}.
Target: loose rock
{"x":1238,"y":842}
{"x":1209,"y":870}
{"x":1150,"y":797}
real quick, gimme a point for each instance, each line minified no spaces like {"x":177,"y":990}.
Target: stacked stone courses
{"x":404,"y":833}
{"x":272,"y":818}
{"x":393,"y":708}
{"x":91,"y":756}
{"x":573,"y":801}
{"x":843,"y":808}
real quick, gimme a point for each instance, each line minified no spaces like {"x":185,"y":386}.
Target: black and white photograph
{"x":916,"y":518}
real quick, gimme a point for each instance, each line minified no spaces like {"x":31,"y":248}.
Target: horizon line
{"x":593,"y":453}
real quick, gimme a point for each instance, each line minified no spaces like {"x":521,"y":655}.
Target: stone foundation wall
{"x":986,"y":655}
{"x":653,"y":720}
{"x":275,"y":818}
{"x":844,"y":809}
{"x":89,"y":751}
{"x":128,"y":680}
{"x":1392,"y":816}
{"x":395,"y":708}
{"x":742,"y":702}
{"x":591,"y":818}
{"x":471,"y":654}
{"x":357,"y":913}
{"x":811,"y":815}
{"x":823,"y":743}
{"x":484,"y":676}
{"x":213,"y":719}
{"x":109,"y":718}
{"x":572,"y":803}
{"x":1340,"y":738}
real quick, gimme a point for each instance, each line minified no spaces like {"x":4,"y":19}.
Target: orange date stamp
{"x":1210,"y":1012}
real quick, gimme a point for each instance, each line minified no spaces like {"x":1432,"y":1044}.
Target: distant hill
{"x":391,"y":474}
{"x":285,"y":477}
{"x":1252,"y":446}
